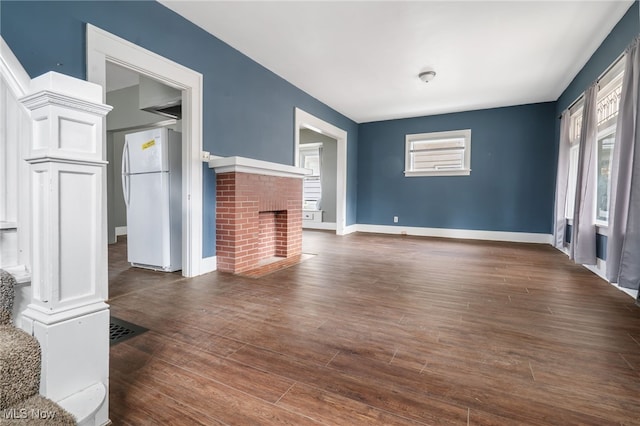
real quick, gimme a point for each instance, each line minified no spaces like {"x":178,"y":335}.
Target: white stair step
{"x":84,"y":404}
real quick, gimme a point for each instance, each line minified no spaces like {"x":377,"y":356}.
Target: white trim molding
{"x":424,"y":153}
{"x":350,"y":229}
{"x":304,"y":120}
{"x":327,"y":226}
{"x":103,"y":47}
{"x":209,"y":264}
{"x":628,"y":291}
{"x":12,"y":70}
{"x":600,"y":269}
{"x":468,"y":234}
{"x":258,"y":167}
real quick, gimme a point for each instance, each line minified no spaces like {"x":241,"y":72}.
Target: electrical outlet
{"x":395,"y":219}
{"x":204,"y":155}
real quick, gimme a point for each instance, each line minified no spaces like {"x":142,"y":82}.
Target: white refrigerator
{"x":152,"y":187}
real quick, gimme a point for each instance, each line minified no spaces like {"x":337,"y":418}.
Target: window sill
{"x":602,"y":229}
{"x":466,"y":172}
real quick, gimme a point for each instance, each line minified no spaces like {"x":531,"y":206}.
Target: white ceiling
{"x":362,"y":58}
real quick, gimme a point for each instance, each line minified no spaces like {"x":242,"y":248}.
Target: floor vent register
{"x":120,"y":330}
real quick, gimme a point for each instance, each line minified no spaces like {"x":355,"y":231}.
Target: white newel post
{"x":68,"y":314}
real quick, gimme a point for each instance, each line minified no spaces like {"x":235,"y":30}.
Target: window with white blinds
{"x":438,"y":154}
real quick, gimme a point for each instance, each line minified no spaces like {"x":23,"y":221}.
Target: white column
{"x":68,"y":314}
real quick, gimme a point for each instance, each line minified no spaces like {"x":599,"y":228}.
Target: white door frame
{"x":102,"y":47}
{"x":304,"y":120}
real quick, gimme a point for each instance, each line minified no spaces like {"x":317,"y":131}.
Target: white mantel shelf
{"x":258,"y":167}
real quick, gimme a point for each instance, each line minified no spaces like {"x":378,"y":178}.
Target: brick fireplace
{"x":258,"y":214}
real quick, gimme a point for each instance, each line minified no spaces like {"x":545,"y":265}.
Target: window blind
{"x":442,"y":154}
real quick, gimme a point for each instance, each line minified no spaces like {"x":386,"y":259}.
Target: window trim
{"x":575,"y":115}
{"x":464,"y":134}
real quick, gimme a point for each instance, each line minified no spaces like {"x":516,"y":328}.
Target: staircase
{"x":20,"y":358}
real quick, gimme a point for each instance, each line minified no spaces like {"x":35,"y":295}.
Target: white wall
{"x":15,"y":134}
{"x":8,"y":176}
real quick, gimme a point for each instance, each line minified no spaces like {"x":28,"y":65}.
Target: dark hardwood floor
{"x":378,"y":330}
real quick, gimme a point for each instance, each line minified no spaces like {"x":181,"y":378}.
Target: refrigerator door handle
{"x":125,"y":158}
{"x":125,"y":174}
{"x":125,"y":189}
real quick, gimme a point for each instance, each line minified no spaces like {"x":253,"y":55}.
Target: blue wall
{"x":511,"y":183}
{"x":248,"y":110}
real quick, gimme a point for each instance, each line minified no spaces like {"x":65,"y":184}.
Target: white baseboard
{"x":518,"y":237}
{"x":121,"y":230}
{"x":630,"y":292}
{"x":208,"y":264}
{"x":331,"y":226}
{"x":350,"y":229}
{"x":600,"y":268}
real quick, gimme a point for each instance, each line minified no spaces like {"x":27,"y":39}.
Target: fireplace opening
{"x":272,"y":236}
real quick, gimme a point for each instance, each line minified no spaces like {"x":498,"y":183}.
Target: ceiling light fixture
{"x":427,"y":76}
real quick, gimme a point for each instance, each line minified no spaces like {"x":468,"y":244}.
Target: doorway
{"x":318,"y":153}
{"x":124,"y":94}
{"x":305,"y":121}
{"x":103,"y":47}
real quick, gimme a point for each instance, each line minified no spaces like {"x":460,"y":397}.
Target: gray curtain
{"x":623,"y":242}
{"x":562,"y":181}
{"x":583,"y":231}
